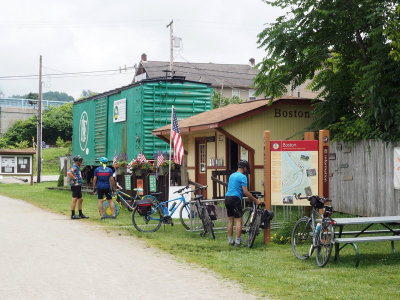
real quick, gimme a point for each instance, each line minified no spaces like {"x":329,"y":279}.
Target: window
{"x":235,"y":93}
{"x":202,"y":158}
{"x":252,"y":94}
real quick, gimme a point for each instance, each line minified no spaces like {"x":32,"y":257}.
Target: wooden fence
{"x":361,"y":181}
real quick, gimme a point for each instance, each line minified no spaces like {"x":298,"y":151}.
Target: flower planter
{"x":162,"y":170}
{"x":139,"y":172}
{"x":121,"y":171}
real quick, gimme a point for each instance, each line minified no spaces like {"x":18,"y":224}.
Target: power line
{"x":65,"y":74}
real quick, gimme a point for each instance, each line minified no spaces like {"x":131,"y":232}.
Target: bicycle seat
{"x":156,"y":193}
{"x":198,"y":197}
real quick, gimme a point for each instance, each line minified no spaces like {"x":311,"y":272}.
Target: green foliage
{"x":86,"y":94}
{"x":393,"y":33}
{"x":60,"y":181}
{"x":57,"y":123}
{"x":60,"y":96}
{"x":22,"y":145}
{"x":344,"y":49}
{"x":219,"y":101}
{"x":283,"y":235}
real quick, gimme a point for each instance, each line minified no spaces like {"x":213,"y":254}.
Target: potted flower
{"x":120,"y":163}
{"x":164,"y":167}
{"x":140,"y":168}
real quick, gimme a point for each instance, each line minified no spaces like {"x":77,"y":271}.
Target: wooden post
{"x":267,"y":180}
{"x":308,"y":136}
{"x":323,"y":164}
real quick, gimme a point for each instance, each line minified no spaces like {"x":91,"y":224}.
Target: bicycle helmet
{"x":77,"y":158}
{"x":244,"y":163}
{"x":103,"y":160}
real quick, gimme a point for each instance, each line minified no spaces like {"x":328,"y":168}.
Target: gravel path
{"x":48,"y":256}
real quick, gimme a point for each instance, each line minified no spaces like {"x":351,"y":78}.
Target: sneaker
{"x":75,"y":217}
{"x":238,"y":245}
{"x":113,"y":217}
{"x":82,"y":216}
{"x":232,"y":244}
{"x":102,"y":218}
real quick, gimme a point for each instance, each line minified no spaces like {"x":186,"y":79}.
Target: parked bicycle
{"x":203,"y":214}
{"x":121,"y":199}
{"x":314,"y":233}
{"x":255,"y":218}
{"x":149,"y":213}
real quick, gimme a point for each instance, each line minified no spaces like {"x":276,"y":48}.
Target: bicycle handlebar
{"x":297,"y":196}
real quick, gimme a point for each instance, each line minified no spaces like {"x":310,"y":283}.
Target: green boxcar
{"x":121,"y":120}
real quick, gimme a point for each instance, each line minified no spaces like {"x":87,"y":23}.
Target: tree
{"x":57,"y":122}
{"x":219,"y":101}
{"x":60,"y":96}
{"x":343,"y":47}
{"x":87,"y":93}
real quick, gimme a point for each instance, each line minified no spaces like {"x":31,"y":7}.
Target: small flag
{"x":141,"y":157}
{"x":160,"y":160}
{"x":176,"y":137}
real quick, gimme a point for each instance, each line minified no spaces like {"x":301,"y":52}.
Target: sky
{"x":100,"y":35}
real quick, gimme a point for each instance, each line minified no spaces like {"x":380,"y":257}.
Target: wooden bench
{"x":359,"y":236}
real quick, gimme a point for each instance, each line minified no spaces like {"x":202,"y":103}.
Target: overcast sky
{"x":97,"y":35}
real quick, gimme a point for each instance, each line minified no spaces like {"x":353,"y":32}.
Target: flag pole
{"x":170,"y":143}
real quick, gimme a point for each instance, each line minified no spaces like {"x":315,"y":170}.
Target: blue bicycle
{"x":149,"y":213}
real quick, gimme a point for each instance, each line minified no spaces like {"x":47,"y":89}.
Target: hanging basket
{"x":139,"y":172}
{"x":162,"y":170}
{"x":121,"y":171}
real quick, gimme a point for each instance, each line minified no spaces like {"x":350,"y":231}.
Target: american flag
{"x":160,"y":160}
{"x":176,"y":137}
{"x":141,"y":157}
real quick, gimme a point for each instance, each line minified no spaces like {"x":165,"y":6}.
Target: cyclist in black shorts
{"x":101,"y":182}
{"x":237,"y":186}
{"x":76,"y":187}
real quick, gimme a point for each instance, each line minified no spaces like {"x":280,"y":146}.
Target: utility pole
{"x":39,"y":126}
{"x":171,"y":46}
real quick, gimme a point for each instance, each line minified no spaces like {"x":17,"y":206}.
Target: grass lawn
{"x":51,"y":162}
{"x":269,"y":270}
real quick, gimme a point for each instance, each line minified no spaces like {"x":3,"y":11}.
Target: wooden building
{"x":215,"y":140}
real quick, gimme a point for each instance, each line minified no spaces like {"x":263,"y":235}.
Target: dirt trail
{"x":48,"y":256}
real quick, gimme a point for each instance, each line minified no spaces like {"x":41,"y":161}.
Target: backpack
{"x":211,"y":211}
{"x":266,"y":217}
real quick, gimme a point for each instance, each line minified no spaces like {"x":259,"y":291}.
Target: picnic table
{"x":364,"y":235}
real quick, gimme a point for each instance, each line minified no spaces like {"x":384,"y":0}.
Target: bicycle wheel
{"x":325,"y":245}
{"x":254,"y":228}
{"x":148,"y":223}
{"x":208,"y":224}
{"x":302,"y":238}
{"x":246,"y":218}
{"x":184,"y":214}
{"x":107,"y":209}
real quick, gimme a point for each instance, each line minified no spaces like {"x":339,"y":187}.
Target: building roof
{"x":230,"y":75}
{"x":29,"y":151}
{"x":222,"y":116}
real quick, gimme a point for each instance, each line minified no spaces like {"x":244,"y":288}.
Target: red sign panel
{"x":294,"y":145}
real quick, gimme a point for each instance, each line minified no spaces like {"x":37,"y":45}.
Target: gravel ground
{"x":45,"y":255}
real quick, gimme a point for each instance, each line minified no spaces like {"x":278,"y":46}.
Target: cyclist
{"x":103,"y":175}
{"x":237,"y":186}
{"x":76,"y":187}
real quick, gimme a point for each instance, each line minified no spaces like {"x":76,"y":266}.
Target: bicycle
{"x":208,"y":225}
{"x":121,"y":199}
{"x":251,"y":220}
{"x":310,"y":233}
{"x":149,"y":213}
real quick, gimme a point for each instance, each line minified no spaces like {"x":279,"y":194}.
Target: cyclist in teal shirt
{"x":237,"y":186}
{"x":76,"y":187}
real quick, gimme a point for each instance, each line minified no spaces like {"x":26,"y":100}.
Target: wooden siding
{"x":362,"y":179}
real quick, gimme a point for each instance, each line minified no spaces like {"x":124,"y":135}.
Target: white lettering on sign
{"x":290,"y":145}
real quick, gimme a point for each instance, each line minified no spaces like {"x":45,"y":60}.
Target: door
{"x":201,"y":162}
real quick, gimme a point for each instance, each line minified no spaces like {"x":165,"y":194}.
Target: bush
{"x":60,"y":181}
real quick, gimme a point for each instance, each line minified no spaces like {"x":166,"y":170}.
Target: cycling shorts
{"x":233,"y":206}
{"x":76,"y":191}
{"x":104,"y":192}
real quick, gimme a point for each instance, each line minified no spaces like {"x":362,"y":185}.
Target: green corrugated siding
{"x":148,"y":106}
{"x":188,"y":99}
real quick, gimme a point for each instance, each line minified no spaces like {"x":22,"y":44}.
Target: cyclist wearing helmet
{"x":237,"y":187}
{"x":76,"y":187}
{"x":102,"y":177}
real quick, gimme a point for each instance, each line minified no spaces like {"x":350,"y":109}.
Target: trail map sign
{"x":294,"y":166}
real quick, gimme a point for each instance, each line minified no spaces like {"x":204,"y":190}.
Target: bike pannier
{"x":266,"y":217}
{"x":144,"y":206}
{"x":211,"y":211}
